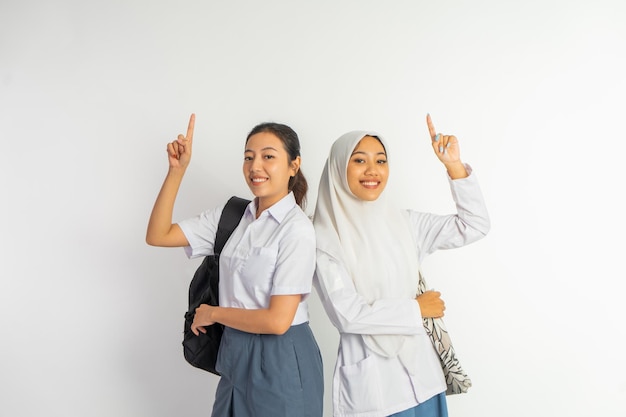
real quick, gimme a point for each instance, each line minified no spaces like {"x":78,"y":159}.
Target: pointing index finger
{"x":431,"y":127}
{"x":192,"y":122}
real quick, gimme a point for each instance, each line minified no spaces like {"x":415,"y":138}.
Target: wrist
{"x":176,"y":172}
{"x":456,"y":170}
{"x":214,"y":314}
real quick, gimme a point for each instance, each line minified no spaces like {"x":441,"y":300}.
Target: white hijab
{"x":373,"y":241}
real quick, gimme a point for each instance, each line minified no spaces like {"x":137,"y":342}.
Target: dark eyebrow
{"x":264,"y":149}
{"x":364,"y":153}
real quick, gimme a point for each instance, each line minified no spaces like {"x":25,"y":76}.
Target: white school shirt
{"x":271,"y":255}
{"x":369,"y":385}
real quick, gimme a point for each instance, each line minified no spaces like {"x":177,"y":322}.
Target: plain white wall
{"x":91,"y":92}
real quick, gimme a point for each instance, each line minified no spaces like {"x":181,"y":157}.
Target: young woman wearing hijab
{"x":368,"y":257}
{"x":269,"y":361}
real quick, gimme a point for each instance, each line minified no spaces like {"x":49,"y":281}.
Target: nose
{"x":371,"y":169}
{"x":255,"y":164}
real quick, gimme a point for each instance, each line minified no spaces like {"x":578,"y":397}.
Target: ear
{"x":295,"y":166}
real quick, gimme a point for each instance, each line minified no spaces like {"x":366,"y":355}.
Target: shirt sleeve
{"x":200,"y":232}
{"x":295,"y":263}
{"x":469,"y":224}
{"x":350,"y":313}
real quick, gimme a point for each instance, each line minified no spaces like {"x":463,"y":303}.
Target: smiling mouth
{"x":370,"y":184}
{"x":258,"y":181}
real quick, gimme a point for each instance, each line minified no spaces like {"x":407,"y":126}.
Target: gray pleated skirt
{"x":265,"y":375}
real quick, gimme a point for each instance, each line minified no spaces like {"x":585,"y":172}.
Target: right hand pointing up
{"x":179,"y":151}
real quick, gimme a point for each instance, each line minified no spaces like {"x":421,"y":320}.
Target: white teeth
{"x":259,"y":179}
{"x":369,"y":182}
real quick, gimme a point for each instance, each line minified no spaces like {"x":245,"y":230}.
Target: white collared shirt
{"x":369,"y":385}
{"x":271,"y":255}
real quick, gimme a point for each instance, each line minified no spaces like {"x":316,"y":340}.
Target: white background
{"x":91,"y":92}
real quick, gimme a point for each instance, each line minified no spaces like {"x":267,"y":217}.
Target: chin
{"x":367,"y":197}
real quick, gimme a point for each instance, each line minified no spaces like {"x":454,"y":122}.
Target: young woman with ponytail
{"x":269,"y":361}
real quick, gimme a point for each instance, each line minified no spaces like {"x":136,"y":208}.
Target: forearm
{"x":469,"y":224}
{"x":276,"y":319}
{"x":389,"y":316}
{"x":350,"y":313}
{"x":160,"y":223}
{"x":473,"y":217}
{"x":260,"y":321}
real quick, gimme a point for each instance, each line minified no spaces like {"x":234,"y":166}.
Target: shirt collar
{"x":279,"y":209}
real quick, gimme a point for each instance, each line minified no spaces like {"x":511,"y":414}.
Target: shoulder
{"x":298,"y":225}
{"x":297,"y":217}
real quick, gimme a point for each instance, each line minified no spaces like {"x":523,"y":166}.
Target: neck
{"x":263,"y":204}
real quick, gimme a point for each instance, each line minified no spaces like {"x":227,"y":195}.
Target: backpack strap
{"x":230,"y":218}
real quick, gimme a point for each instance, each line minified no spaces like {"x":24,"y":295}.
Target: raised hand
{"x":161,"y":231}
{"x":447,"y":149}
{"x":179,"y":151}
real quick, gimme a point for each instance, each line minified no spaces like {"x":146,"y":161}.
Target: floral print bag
{"x":456,"y":379}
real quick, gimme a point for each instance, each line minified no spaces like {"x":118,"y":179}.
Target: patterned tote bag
{"x":456,"y":379}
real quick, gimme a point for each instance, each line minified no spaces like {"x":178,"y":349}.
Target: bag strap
{"x":230,"y":218}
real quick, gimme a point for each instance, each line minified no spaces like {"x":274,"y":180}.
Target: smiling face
{"x":267,"y":168}
{"x":367,"y":170}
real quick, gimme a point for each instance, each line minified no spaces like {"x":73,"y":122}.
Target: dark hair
{"x":381,"y":142}
{"x":291,"y":143}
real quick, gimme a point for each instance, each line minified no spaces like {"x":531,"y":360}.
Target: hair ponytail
{"x":299,"y":186}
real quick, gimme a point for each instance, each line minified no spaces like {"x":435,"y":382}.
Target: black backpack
{"x":201,"y":351}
